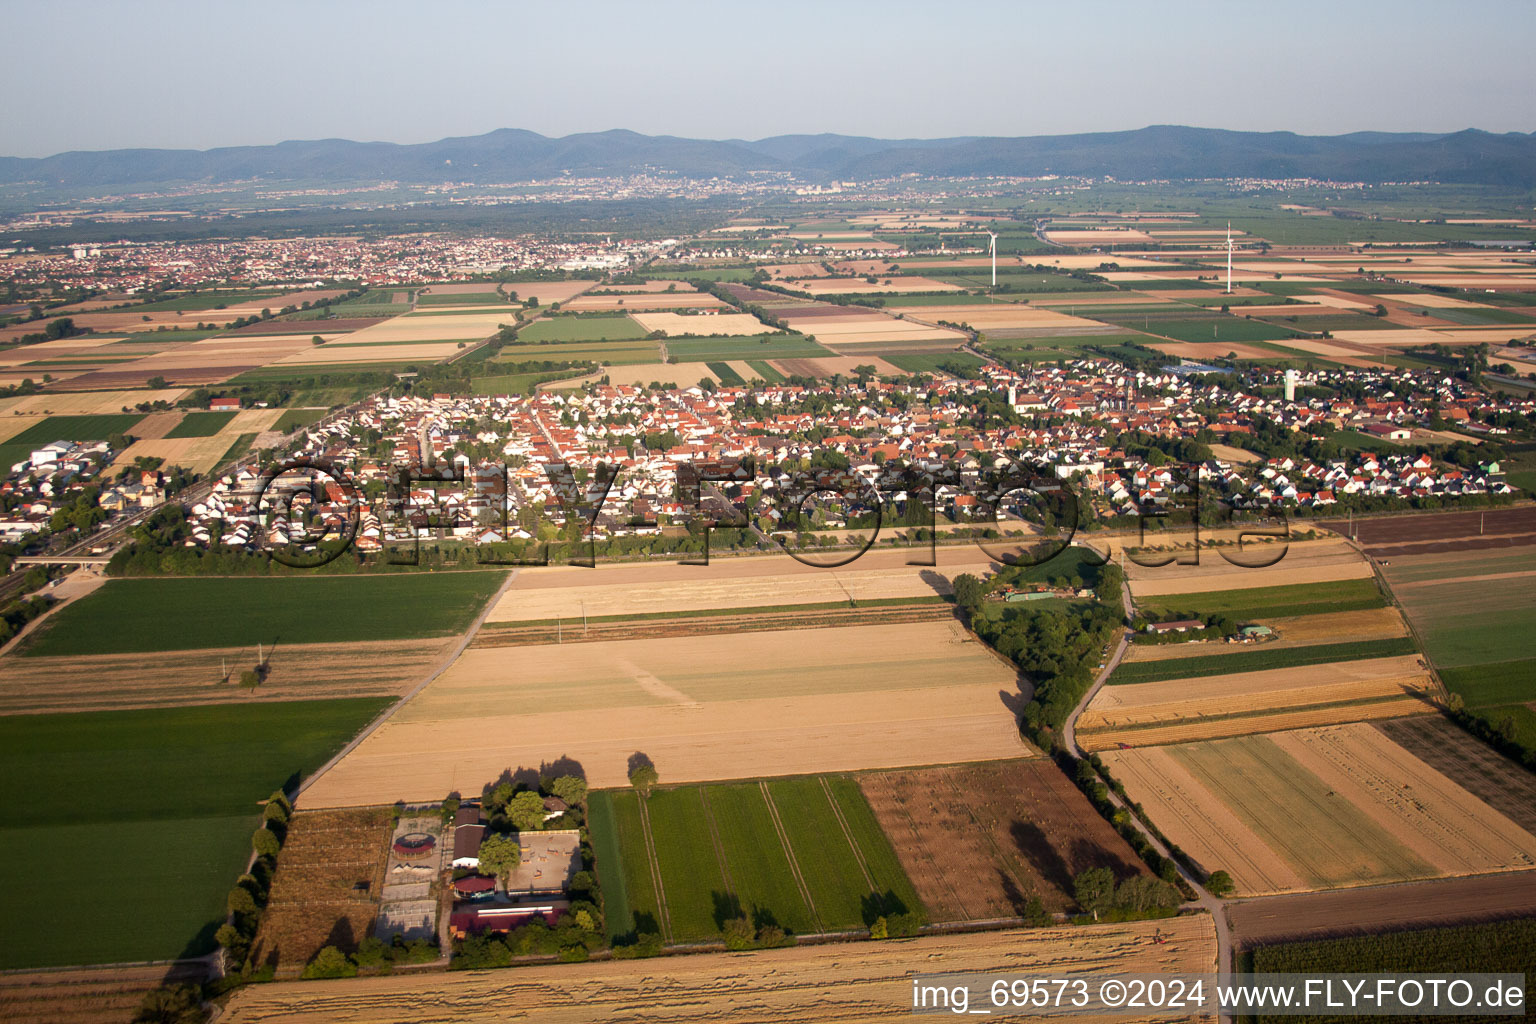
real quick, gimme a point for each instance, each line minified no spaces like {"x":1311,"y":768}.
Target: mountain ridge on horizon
{"x":507,"y":155}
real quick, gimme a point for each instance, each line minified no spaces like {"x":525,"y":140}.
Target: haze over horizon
{"x":168,"y":74}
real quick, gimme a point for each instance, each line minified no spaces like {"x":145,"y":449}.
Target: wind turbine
{"x":1229,"y":257}
{"x":992,"y":247}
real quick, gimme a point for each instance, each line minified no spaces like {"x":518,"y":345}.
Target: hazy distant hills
{"x":508,"y":155}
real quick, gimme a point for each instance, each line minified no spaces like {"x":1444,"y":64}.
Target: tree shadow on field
{"x":561,"y":766}
{"x":341,"y":936}
{"x":727,"y":907}
{"x":1012,"y":893}
{"x":1037,"y":849}
{"x":1087,"y":854}
{"x":937,"y":581}
{"x":881,"y":904}
{"x":640,"y":759}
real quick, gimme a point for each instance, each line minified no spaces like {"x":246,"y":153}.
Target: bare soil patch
{"x":979,"y":840}
{"x":326,"y":888}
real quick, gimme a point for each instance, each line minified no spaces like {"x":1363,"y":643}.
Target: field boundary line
{"x":858,"y":852}
{"x":442,"y":666}
{"x":789,"y":854}
{"x":1442,"y":691}
{"x":714,"y":838}
{"x":654,"y":863}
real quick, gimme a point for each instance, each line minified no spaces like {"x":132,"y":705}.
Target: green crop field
{"x":761,"y":346}
{"x":766,"y":371}
{"x":1274,"y":602}
{"x":932,"y":362}
{"x":76,"y":428}
{"x":201,"y":424}
{"x":186,"y":613}
{"x":164,"y":800}
{"x":1209,"y":328}
{"x":213,"y":301}
{"x":1257,"y":660}
{"x":611,"y":352}
{"x":719,"y":855}
{"x":582,"y":328}
{"x":1499,"y":682}
{"x":237,"y":448}
{"x":298,"y":418}
{"x":725,"y":375}
{"x":485,"y":298}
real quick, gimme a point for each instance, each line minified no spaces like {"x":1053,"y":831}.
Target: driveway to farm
{"x":1206,"y":901}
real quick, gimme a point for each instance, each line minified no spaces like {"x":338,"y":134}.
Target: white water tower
{"x":1291,"y":377}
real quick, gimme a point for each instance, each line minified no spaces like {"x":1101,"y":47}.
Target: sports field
{"x":186,"y":613}
{"x":165,"y":800}
{"x":804,"y":853}
{"x":702,"y":707}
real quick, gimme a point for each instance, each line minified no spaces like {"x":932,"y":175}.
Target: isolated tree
{"x":1094,"y":890}
{"x":643,"y":776}
{"x":1219,"y":884}
{"x":499,"y":856}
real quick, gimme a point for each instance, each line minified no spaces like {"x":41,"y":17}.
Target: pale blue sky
{"x":79,"y":74}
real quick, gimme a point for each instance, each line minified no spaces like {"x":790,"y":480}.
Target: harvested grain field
{"x":701,"y":707}
{"x":1304,"y":562}
{"x":1293,"y":631}
{"x":979,"y":840}
{"x":1318,"y":808}
{"x":101,"y":682}
{"x":859,"y":982}
{"x":86,"y":995}
{"x":639,"y":303}
{"x":1243,"y":725}
{"x":1435,"y":818}
{"x":885,"y":285}
{"x":1470,"y":763}
{"x":325,"y":891}
{"x":1244,"y":702}
{"x":755,"y":582}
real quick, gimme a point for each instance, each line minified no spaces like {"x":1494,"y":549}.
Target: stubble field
{"x":701,"y":707}
{"x":867,"y":981}
{"x":1318,"y":808}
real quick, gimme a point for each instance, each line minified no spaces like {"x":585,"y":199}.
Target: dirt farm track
{"x":856,"y":982}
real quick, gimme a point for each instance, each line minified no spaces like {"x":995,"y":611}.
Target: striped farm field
{"x":805,"y":854}
{"x":1141,"y":714}
{"x":1266,"y":603}
{"x":1293,"y":631}
{"x":1259,"y":658}
{"x":1318,"y":808}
